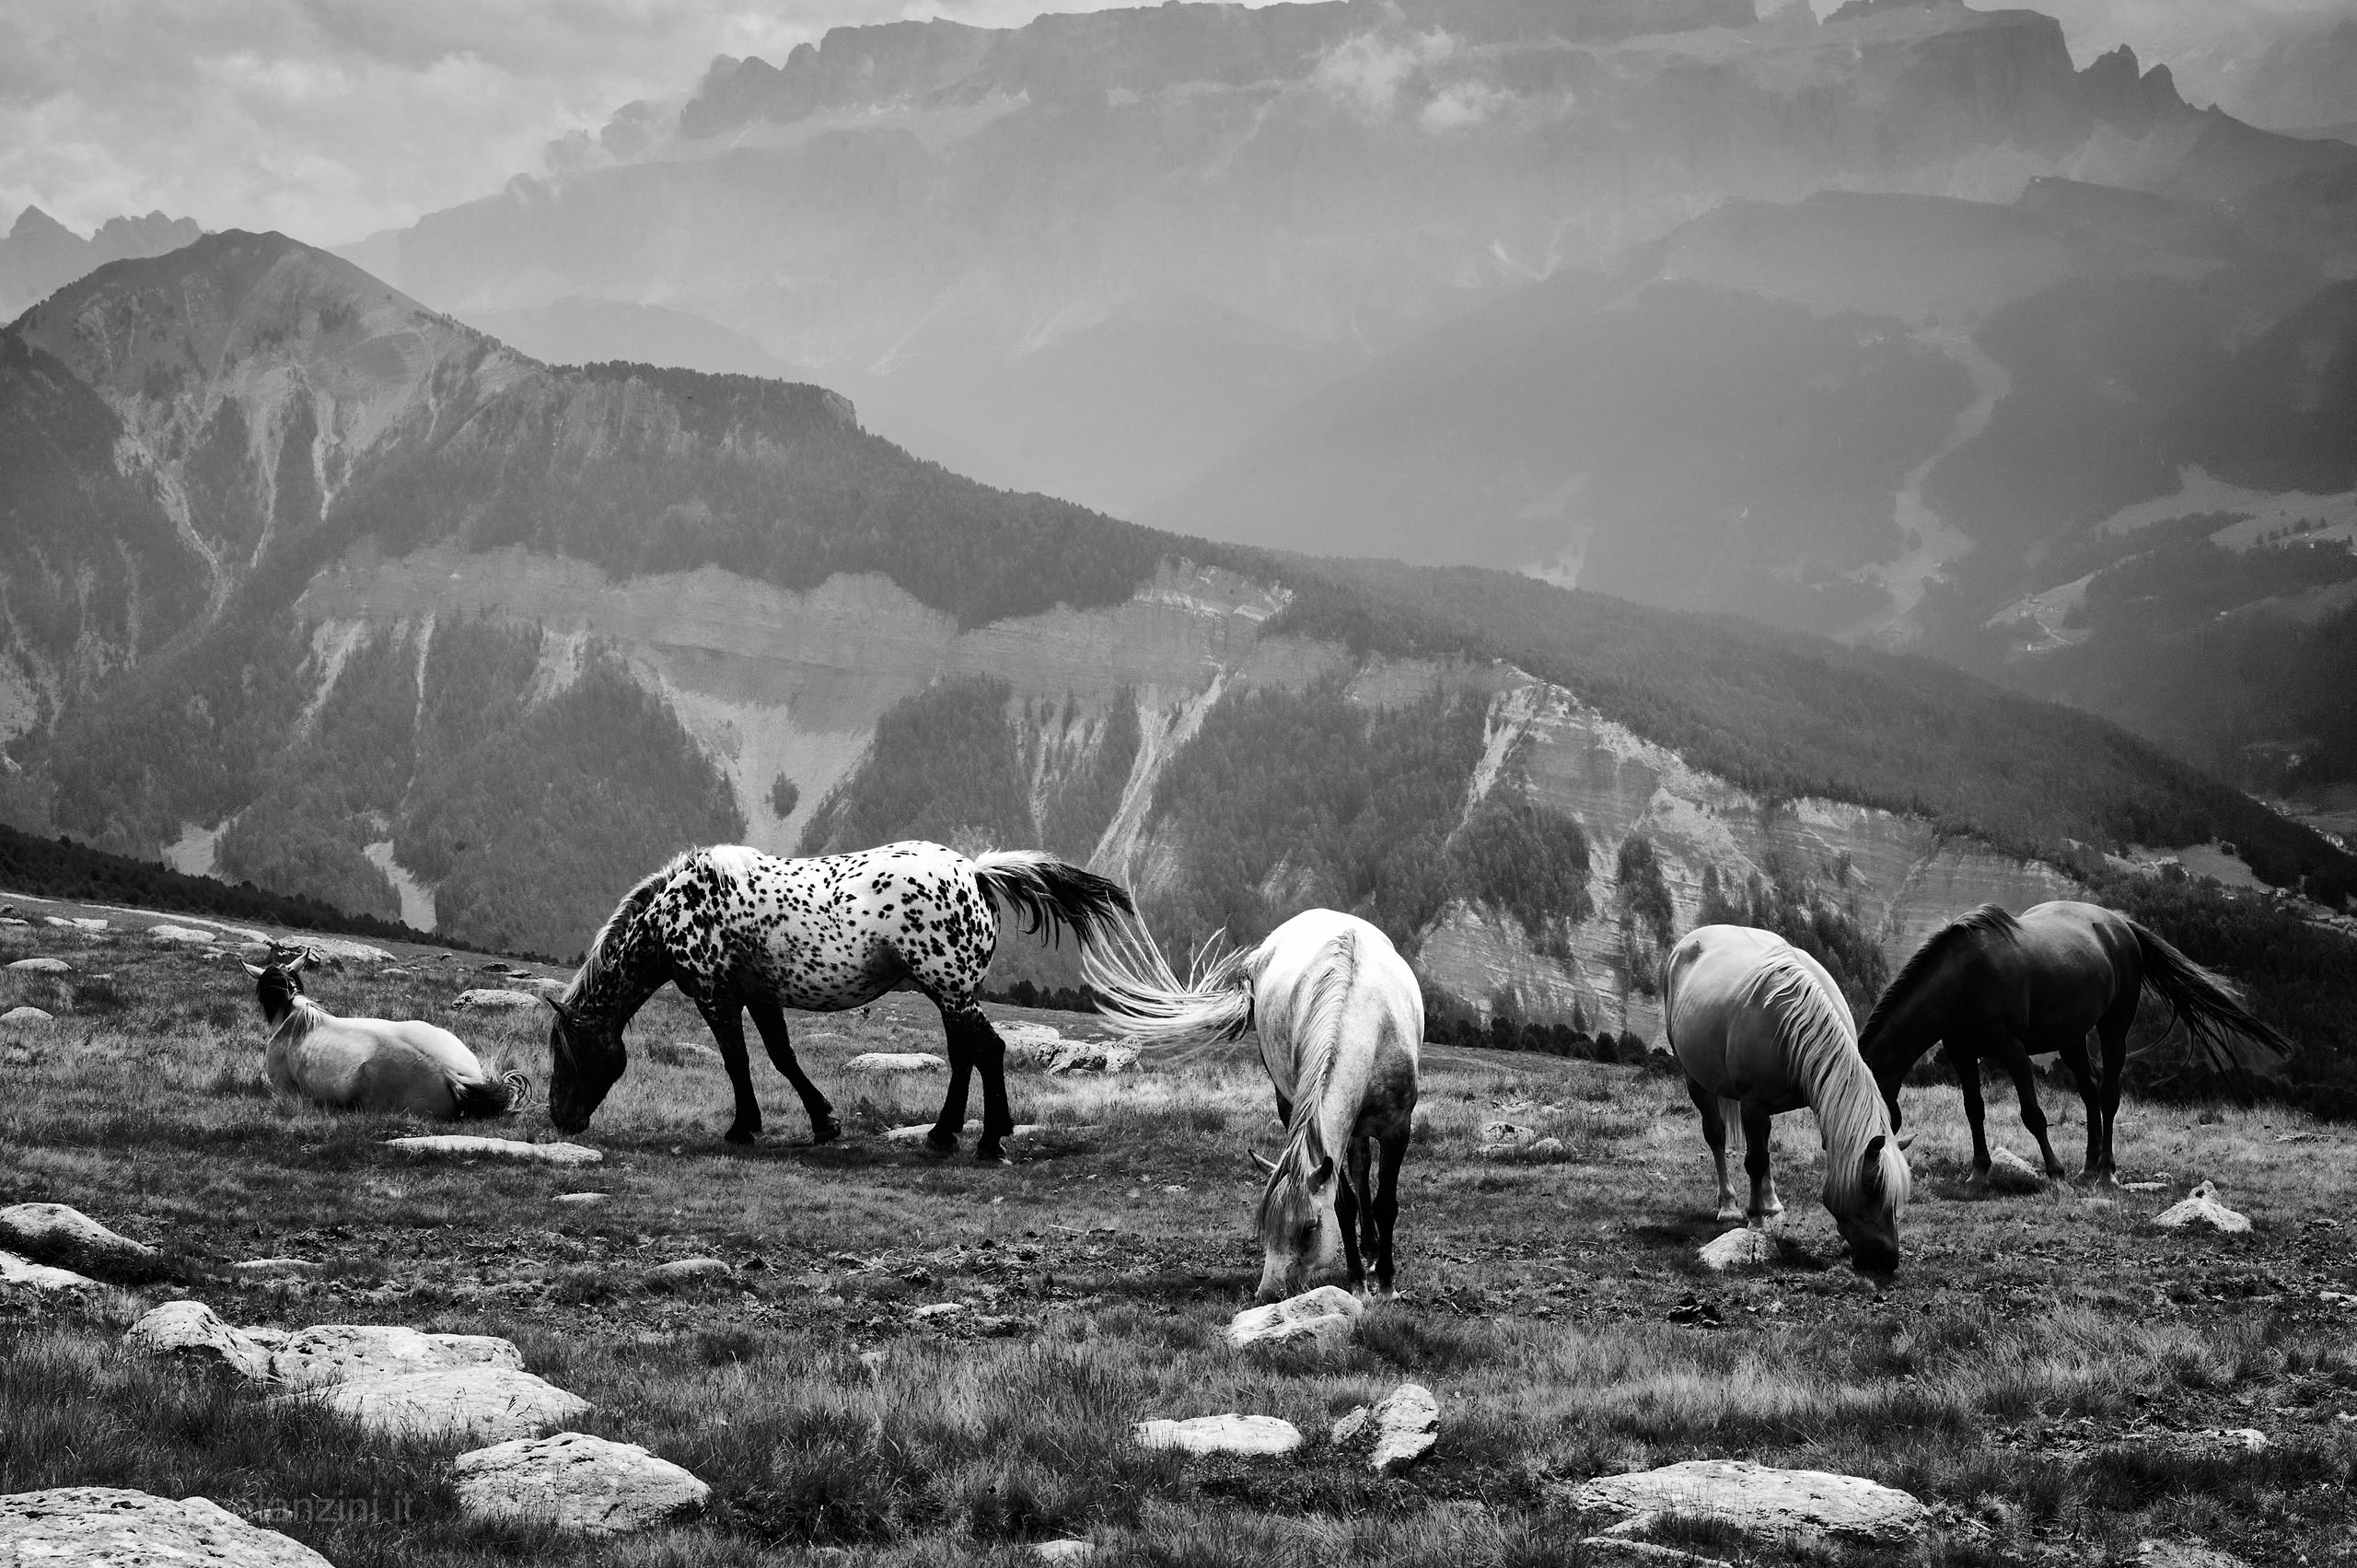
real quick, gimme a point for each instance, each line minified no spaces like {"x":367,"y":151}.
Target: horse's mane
{"x":611,"y":936}
{"x":1989,"y":919}
{"x":1317,"y":1032}
{"x":303,"y":1015}
{"x":1849,"y":1107}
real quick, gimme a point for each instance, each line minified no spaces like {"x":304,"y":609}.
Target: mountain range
{"x":310,"y":585}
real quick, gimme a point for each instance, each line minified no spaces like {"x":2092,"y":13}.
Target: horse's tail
{"x":2209,"y":1008}
{"x":1136,"y":990}
{"x":1050,"y":895}
{"x":483,"y":1098}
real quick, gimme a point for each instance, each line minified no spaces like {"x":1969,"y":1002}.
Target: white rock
{"x":1742,"y":1248}
{"x":490,"y":1403}
{"x":27,"y":1015}
{"x":502,"y":1148}
{"x":1229,"y":1434}
{"x":895,"y":1061}
{"x":1327,"y":1316}
{"x":2201,"y":1207}
{"x":271,"y":1268}
{"x":540,"y":985}
{"x":681,"y":1269}
{"x":192,"y":1328}
{"x":1618,"y":1549}
{"x":575,"y":1482}
{"x":119,"y":1528}
{"x":580,"y":1198}
{"x":491,"y":999}
{"x":1802,"y":1505}
{"x":57,"y":920}
{"x":937,"y":1311}
{"x":2008,"y":1172}
{"x":1546,"y":1148}
{"x":42,"y":965}
{"x":15,"y":1271}
{"x":2184,"y":1554}
{"x":54,"y":1225}
{"x":339,"y":949}
{"x":186,"y":934}
{"x":1093,"y":1056}
{"x":1407,"y":1423}
{"x":1508,"y":1132}
{"x":345,"y":1352}
{"x":1063,"y":1550}
{"x":915,"y":1131}
{"x":1346,"y":1427}
{"x":1029,"y":1044}
{"x":86,"y":923}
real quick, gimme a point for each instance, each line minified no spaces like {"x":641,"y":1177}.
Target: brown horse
{"x":1993,"y":985}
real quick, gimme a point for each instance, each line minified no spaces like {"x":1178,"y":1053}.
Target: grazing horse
{"x":1990,"y":985}
{"x":739,"y":931}
{"x":1340,"y":1018}
{"x":1754,"y":1019}
{"x":371,"y":1064}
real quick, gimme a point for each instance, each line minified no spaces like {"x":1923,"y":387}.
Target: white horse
{"x":1756,"y":1020}
{"x":371,"y":1064}
{"x":1340,"y":1018}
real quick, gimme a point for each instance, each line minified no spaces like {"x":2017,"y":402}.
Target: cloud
{"x":328,"y":119}
{"x":1367,"y":70}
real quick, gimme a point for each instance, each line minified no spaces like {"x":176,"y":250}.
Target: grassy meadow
{"x":2051,"y":1373}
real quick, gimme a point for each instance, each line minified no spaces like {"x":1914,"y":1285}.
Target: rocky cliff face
{"x":1098,"y":251}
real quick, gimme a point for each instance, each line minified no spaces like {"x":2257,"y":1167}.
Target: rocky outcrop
{"x":121,"y":1529}
{"x":1230,"y":1434}
{"x":577,"y":1483}
{"x":468,"y":1146}
{"x":1797,"y":1506}
{"x":489,"y":1403}
{"x":57,"y":1230}
{"x":1326,"y":1317}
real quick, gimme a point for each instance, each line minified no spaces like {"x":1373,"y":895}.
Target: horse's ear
{"x":1267,"y":1166}
{"x":1323,"y":1172}
{"x":1870,"y":1165}
{"x":1905,"y":1141}
{"x":255,"y":971}
{"x":563,"y":1013}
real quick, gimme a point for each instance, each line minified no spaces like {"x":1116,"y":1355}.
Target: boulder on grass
{"x":1742,"y":1248}
{"x":1407,"y":1423}
{"x":1327,"y":1316}
{"x":121,"y":1529}
{"x":575,"y":1481}
{"x":466,"y":1145}
{"x":897,"y":1062}
{"x":191,"y":1328}
{"x":347,"y":1353}
{"x":2200,"y":1206}
{"x":54,"y":1228}
{"x":2008,"y":1172}
{"x":1093,"y":1056}
{"x":27,"y":1015}
{"x":1229,"y":1434}
{"x":183,"y":935}
{"x":16,"y":1270}
{"x":494,"y":999}
{"x":1799,"y":1507}
{"x":491,"y":1404}
{"x":42,"y":965}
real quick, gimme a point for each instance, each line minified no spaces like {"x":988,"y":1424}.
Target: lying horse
{"x":1340,"y":1018}
{"x":1754,"y":1019}
{"x":1990,"y":985}
{"x":739,"y":931}
{"x":370,"y":1064}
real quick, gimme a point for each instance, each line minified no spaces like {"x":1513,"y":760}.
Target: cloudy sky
{"x":328,"y":119}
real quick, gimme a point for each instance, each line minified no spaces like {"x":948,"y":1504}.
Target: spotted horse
{"x":742,"y":931}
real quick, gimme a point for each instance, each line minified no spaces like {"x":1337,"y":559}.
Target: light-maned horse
{"x":1991,"y":985}
{"x":1755,"y":1020}
{"x":1341,"y":1019}
{"x":371,"y":1064}
{"x":742,"y":931}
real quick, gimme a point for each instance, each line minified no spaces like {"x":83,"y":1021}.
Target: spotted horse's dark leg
{"x":770,"y":1018}
{"x":726,"y":1018}
{"x":973,"y":1046}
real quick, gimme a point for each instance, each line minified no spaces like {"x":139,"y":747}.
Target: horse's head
{"x":1299,"y":1234}
{"x":1866,"y":1209}
{"x":585,"y":1056}
{"x":278,"y":983}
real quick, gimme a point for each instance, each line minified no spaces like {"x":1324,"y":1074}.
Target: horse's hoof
{"x":1729,"y":1215}
{"x":938,"y":1144}
{"x":825,"y":1132}
{"x":741,"y":1135}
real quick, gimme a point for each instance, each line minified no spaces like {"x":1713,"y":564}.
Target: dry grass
{"x":2034,"y":1374}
